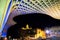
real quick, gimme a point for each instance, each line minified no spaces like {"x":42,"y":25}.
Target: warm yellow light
{"x":27,"y":27}
{"x":5,"y":38}
{"x":41,"y":34}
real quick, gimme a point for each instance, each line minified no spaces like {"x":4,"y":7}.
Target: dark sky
{"x":36,"y":20}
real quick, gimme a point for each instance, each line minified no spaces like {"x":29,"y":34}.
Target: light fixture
{"x":47,"y":31}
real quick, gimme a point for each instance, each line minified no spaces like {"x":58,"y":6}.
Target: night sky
{"x":36,"y":20}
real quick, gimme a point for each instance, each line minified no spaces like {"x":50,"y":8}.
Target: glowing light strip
{"x":4,"y":12}
{"x":5,"y":20}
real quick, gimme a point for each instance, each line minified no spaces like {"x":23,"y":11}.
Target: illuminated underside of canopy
{"x":49,"y":7}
